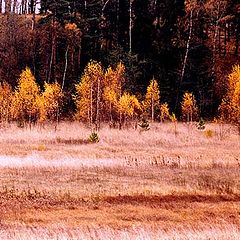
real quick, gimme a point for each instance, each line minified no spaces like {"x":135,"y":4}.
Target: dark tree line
{"x":186,"y":45}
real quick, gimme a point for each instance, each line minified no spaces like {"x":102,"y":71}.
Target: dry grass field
{"x":158,"y":184}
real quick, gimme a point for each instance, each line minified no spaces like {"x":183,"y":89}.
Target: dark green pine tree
{"x":122,"y":15}
{"x":166,"y":53}
{"x":142,"y":28}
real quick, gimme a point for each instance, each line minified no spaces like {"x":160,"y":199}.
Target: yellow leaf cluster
{"x":230,"y":106}
{"x":99,"y":90}
{"x":173,"y":118}
{"x":88,"y":92}
{"x":164,"y":112}
{"x":50,"y":101}
{"x":113,"y":81}
{"x":152,"y":98}
{"x":71,"y":27}
{"x":189,"y":107}
{"x":83,"y":99}
{"x":153,"y":93}
{"x":128,"y":105}
{"x":111,"y":87}
{"x":25,"y":97}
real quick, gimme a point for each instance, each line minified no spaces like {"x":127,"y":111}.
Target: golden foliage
{"x":88,"y":92}
{"x":189,"y":107}
{"x":230,"y":106}
{"x":164,"y":112}
{"x":50,"y":102}
{"x":99,"y":92}
{"x":83,"y":99}
{"x":173,"y":118}
{"x":128,"y":105}
{"x":151,"y":102}
{"x":6,"y":100}
{"x":25,"y":106}
{"x":113,"y":81}
{"x":71,"y":27}
{"x":111,"y":88}
{"x":73,"y":32}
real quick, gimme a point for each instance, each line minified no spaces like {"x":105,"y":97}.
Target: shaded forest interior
{"x":185,"y":45}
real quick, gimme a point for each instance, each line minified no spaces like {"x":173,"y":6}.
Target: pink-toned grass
{"x":229,"y":232}
{"x":69,"y":141}
{"x":157,"y":184}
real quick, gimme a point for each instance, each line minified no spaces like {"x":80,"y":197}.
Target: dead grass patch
{"x":155,"y":179}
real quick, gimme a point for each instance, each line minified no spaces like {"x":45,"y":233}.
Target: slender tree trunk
{"x":50,"y":66}
{"x":185,"y":58}
{"x":53,"y":52}
{"x":14,"y":10}
{"x":214,"y":45}
{"x":228,"y":31}
{"x":152,"y":109}
{"x":117,"y":30}
{"x":23,"y":6}
{"x":98,"y":105}
{"x":33,"y":10}
{"x":32,"y":6}
{"x":79,"y":54}
{"x":72,"y":60}
{"x":237,"y":30}
{"x":57,"y":119}
{"x":120,"y":121}
{"x":65,"y":68}
{"x":91,"y":105}
{"x":219,"y":41}
{"x":110,"y":111}
{"x":26,"y":6}
{"x":225,"y":39}
{"x":7,"y":6}
{"x":130,"y":26}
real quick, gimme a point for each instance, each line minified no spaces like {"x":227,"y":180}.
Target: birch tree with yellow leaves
{"x":89,"y":94}
{"x":164,"y":112}
{"x":128,"y":106}
{"x":152,"y":98}
{"x":113,"y":84}
{"x":230,"y":106}
{"x":25,"y":107}
{"x":100,"y":95}
{"x":50,"y":102}
{"x":189,"y":107}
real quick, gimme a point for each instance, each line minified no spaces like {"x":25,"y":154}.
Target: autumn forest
{"x":120,"y":119}
{"x":113,"y":61}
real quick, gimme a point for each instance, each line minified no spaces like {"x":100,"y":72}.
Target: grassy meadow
{"x":164,"y":183}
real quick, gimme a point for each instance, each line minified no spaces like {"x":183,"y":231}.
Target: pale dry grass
{"x":120,"y":196}
{"x":228,"y":232}
{"x":158,"y":144}
{"x":130,"y":185}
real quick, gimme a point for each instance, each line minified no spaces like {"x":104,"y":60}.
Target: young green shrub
{"x":201,"y":124}
{"x":93,"y":138}
{"x":144,"y":125}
